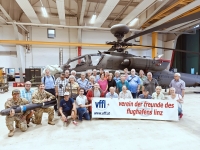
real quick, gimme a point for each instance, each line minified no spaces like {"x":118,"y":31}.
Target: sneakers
{"x":181,"y":115}
{"x":51,"y":123}
{"x":75,"y":123}
{"x":11,"y":133}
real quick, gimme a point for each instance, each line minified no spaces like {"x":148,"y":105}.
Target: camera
{"x":60,"y":86}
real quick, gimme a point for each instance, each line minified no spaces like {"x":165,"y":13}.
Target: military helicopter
{"x":116,"y":58}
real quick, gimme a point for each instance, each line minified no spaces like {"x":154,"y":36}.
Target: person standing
{"x":117,"y":76}
{"x":19,"y":118}
{"x":42,"y":96}
{"x":126,"y":73}
{"x":142,"y":79}
{"x":73,"y":72}
{"x":67,"y":108}
{"x":60,"y":86}
{"x":49,"y":81}
{"x":150,"y":84}
{"x":122,"y":82}
{"x":83,"y":82}
{"x":97,"y":77}
{"x":111,"y":81}
{"x":178,"y":84}
{"x":67,"y":74}
{"x":134,"y":83}
{"x":103,"y":83}
{"x":72,"y":87}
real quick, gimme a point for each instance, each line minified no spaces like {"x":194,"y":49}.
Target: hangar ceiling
{"x":143,"y":14}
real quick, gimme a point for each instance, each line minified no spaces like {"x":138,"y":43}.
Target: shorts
{"x":67,"y":113}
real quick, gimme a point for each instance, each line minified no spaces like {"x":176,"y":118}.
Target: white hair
{"x":159,"y":87}
{"x":83,"y":73}
{"x":172,"y":88}
{"x":107,"y":71}
{"x":117,"y":71}
{"x":73,"y":71}
{"x":149,"y":73}
{"x":178,"y":74}
{"x":89,"y":71}
{"x":66,"y":71}
{"x":72,"y":76}
{"x":91,"y":77}
{"x":133,"y":70}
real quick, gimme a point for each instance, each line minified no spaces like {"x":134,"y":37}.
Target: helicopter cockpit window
{"x":95,"y":60}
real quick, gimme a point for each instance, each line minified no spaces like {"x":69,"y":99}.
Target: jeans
{"x":134,"y":95}
{"x":179,"y":111}
{"x":82,"y":112}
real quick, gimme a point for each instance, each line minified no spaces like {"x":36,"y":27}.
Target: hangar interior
{"x":37,"y":33}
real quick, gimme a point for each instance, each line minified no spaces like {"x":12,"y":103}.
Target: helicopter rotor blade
{"x":166,"y":25}
{"x":176,"y":50}
{"x":111,"y":49}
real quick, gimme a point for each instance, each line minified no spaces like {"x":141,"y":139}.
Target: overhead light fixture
{"x":196,"y":26}
{"x":92,"y":21}
{"x":44,"y":11}
{"x":133,"y":22}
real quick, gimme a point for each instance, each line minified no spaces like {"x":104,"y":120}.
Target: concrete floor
{"x":110,"y":134}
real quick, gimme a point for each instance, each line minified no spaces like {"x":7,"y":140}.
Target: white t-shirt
{"x":125,"y":95}
{"x":178,"y":96}
{"x":81,"y":100}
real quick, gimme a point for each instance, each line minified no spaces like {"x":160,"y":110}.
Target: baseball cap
{"x":15,"y":91}
{"x":66,"y":93}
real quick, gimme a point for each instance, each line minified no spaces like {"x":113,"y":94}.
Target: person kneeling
{"x":81,"y":101}
{"x":19,"y":118}
{"x":67,"y":108}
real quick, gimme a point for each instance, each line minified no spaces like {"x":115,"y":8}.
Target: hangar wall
{"x":42,"y":55}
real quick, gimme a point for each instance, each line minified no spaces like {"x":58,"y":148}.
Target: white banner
{"x":135,"y":108}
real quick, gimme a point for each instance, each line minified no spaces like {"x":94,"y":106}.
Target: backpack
{"x":52,"y":78}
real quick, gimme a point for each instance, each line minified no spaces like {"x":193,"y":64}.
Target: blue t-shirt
{"x":66,"y":105}
{"x":134,"y":81}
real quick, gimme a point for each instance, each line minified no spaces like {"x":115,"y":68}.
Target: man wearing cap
{"x":19,"y":118}
{"x":67,"y":108}
{"x":42,"y":96}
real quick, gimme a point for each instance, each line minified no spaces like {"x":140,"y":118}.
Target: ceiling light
{"x":196,"y":26}
{"x":93,"y":19}
{"x":44,"y":11}
{"x":133,"y":22}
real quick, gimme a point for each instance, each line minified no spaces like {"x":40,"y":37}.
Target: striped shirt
{"x":27,"y":94}
{"x":61,"y":84}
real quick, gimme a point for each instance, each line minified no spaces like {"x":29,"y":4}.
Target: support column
{"x":20,"y":53}
{"x":154,"y":43}
{"x":140,"y":40}
{"x":79,"y":48}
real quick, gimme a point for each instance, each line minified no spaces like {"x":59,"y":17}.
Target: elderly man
{"x":145,"y":95}
{"x":94,"y":73}
{"x":49,"y":81}
{"x":89,"y":73}
{"x":117,"y":76}
{"x":83,"y":82}
{"x":122,"y":82}
{"x":150,"y":84}
{"x":134,"y":83}
{"x":19,"y":118}
{"x":73,"y":72}
{"x":42,"y":96}
{"x":60,"y":86}
{"x":67,"y":74}
{"x":126,"y":73}
{"x":27,"y":92}
{"x":67,"y":108}
{"x":178,"y":84}
{"x":112,"y":93}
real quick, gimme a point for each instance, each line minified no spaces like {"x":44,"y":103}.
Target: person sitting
{"x":112,"y":93}
{"x":125,"y":93}
{"x":145,"y":95}
{"x":94,"y":92}
{"x":158,"y":94}
{"x":67,"y":108}
{"x":81,"y":105}
{"x":42,"y":96}
{"x":178,"y":98}
{"x":19,"y":118}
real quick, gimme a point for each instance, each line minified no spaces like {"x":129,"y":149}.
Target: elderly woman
{"x":111,"y":81}
{"x":103,"y":83}
{"x":89,"y":73}
{"x":73,"y":72}
{"x":158,"y":94}
{"x":72,"y":87}
{"x":117,"y":76}
{"x":125,"y":93}
{"x":90,"y":83}
{"x":178,"y":98}
{"x":95,"y":91}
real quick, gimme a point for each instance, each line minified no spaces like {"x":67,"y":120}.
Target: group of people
{"x":74,"y":95}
